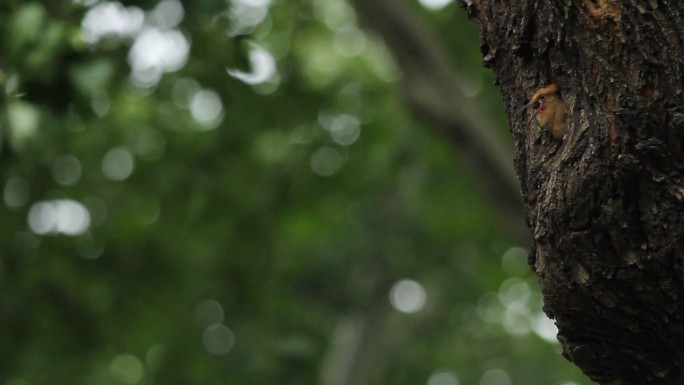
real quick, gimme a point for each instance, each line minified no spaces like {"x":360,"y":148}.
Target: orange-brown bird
{"x":549,"y":110}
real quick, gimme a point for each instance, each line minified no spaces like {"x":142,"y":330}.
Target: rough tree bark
{"x":606,"y":203}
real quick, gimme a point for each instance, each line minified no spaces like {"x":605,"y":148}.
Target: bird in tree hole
{"x":549,"y":110}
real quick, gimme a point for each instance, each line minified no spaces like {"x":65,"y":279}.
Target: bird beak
{"x":531,"y":117}
{"x":526,"y":106}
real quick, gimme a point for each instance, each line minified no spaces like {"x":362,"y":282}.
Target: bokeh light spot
{"x":101,"y":104}
{"x":344,"y":129}
{"x":408,"y":296}
{"x":118,"y":164}
{"x":85,"y":3}
{"x":495,"y":377}
{"x":88,"y":247}
{"x":514,"y":261}
{"x":545,"y":328}
{"x":336,"y":14}
{"x":443,"y":377}
{"x":435,"y":5}
{"x":350,"y":41}
{"x":156,"y":51}
{"x":17,"y":192}
{"x":168,"y":14}
{"x":183,"y":90}
{"x":302,"y":134}
{"x":111,"y":19}
{"x":58,"y":216}
{"x":208,"y":312}
{"x":155,"y":356}
{"x":472,"y":85}
{"x":66,"y":170}
{"x":24,"y":119}
{"x":207,"y":108}
{"x":218,"y":339}
{"x":127,"y":368}
{"x":326,"y":161}
{"x":516,"y":322}
{"x":245,"y":15}
{"x":149,"y":211}
{"x":514,"y":290}
{"x":263,"y":67}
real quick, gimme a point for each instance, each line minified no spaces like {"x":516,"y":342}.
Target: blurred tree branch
{"x":433,"y":91}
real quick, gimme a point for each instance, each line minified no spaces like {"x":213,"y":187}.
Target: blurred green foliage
{"x":167,"y":221}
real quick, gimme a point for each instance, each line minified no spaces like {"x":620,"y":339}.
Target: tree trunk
{"x":605,"y":203}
